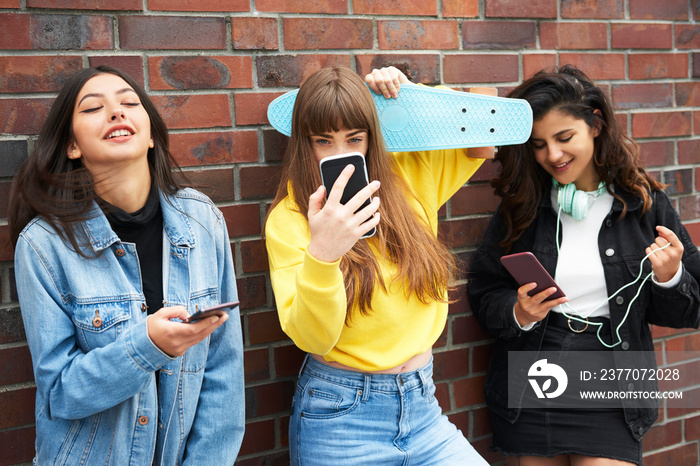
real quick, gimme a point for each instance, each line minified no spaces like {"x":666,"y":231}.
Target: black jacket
{"x":622,"y":242}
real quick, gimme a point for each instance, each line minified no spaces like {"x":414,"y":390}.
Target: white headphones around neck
{"x":574,"y":202}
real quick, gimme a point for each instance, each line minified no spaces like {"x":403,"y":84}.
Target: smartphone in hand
{"x":330,"y":170}
{"x":218,"y":310}
{"x":525,"y":268}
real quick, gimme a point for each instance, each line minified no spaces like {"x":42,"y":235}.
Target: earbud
{"x":575,"y":202}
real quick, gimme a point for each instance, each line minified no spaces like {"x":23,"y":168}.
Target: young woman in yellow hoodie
{"x":367,"y":311}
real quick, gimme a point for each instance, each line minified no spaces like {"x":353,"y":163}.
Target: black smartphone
{"x":330,"y":170}
{"x":525,"y":268}
{"x":218,"y":310}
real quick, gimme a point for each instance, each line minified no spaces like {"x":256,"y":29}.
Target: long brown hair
{"x":522,"y":182}
{"x":334,"y":99}
{"x":61,"y":190}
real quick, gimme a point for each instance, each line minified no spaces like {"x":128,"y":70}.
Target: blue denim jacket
{"x":94,"y":364}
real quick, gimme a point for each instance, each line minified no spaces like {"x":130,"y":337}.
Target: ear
{"x":151,"y":143}
{"x":73,"y":151}
{"x":596,"y":128}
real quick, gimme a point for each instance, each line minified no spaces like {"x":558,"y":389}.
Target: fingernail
{"x":215,"y":319}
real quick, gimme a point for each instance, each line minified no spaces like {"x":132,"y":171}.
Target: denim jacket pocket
{"x":99,"y":324}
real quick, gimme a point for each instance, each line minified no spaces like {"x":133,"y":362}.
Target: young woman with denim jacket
{"x":577,"y":142}
{"x":111,"y":253}
{"x":366,"y":310}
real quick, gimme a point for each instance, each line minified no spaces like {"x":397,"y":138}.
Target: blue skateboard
{"x":426,"y":118}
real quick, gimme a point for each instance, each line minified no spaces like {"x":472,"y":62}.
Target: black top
{"x":144,"y":228}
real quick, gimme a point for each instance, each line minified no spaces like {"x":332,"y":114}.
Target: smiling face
{"x":564,"y":147}
{"x":339,"y":142}
{"x":110,"y":126}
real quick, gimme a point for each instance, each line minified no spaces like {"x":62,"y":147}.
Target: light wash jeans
{"x":344,"y":418}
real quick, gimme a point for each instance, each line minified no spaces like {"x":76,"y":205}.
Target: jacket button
{"x":143,"y":307}
{"x":684,"y":287}
{"x":625,"y":345}
{"x":97,"y":321}
{"x":608,"y":223}
{"x":619,"y":300}
{"x":143,"y":420}
{"x":641,"y":430}
{"x":119,"y":252}
{"x":610,"y":252}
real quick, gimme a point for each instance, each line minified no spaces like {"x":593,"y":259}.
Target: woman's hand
{"x":665,"y":262}
{"x":335,"y":228}
{"x":534,"y":308}
{"x":173,"y":338}
{"x":386,"y":81}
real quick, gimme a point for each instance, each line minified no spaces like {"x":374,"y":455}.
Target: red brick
{"x":288,"y":360}
{"x":499,"y":35}
{"x":15,"y":31}
{"x":595,"y":9}
{"x":419,"y":68}
{"x":465,"y":329}
{"x":213,"y":148}
{"x":9,"y":4}
{"x":254,"y":33}
{"x":86,"y":4}
{"x":520,"y":9}
{"x":469,"y":391}
{"x":337,"y":7}
{"x":534,"y":62}
{"x":200,"y":72}
{"x":251,"y":291}
{"x":656,"y":153}
{"x":194,"y":110}
{"x":215,"y":183}
{"x":458,"y":300}
{"x":628,"y":96}
{"x":327,"y":33}
{"x":17,"y":407}
{"x":260,"y":182}
{"x":678,"y":181}
{"x":696,"y":122}
{"x":689,"y":151}
{"x":5,"y":196}
{"x":264,"y":327}
{"x":663,"y":435}
{"x":463,"y":233}
{"x":130,"y":64}
{"x":474,"y":199}
{"x":480,"y":68}
{"x":597,"y":65}
{"x":15,"y":365}
{"x":460,"y":421}
{"x":661,"y":124}
{"x":71,"y":32}
{"x":658,"y":65}
{"x":642,"y":36}
{"x":172,"y":32}
{"x":460,"y":8}
{"x":688,"y":94}
{"x":242,"y":219}
{"x":563,"y":36}
{"x":692,"y":428}
{"x":451,"y":364}
{"x":660,"y":332}
{"x":680,"y":455}
{"x":658,"y":11}
{"x":17,"y":445}
{"x":264,"y":400}
{"x":254,"y":256}
{"x":417,"y":35}
{"x":696,"y":63}
{"x":256,"y":365}
{"x":198,"y":5}
{"x":687,"y":36}
{"x":11,"y":316}
{"x":23,"y":116}
{"x":481,"y":422}
{"x":36,"y":73}
{"x":274,"y":145}
{"x":689,"y":207}
{"x":292,"y":70}
{"x":694,"y":231}
{"x":260,"y":436}
{"x":395,"y":7}
{"x":251,"y":108}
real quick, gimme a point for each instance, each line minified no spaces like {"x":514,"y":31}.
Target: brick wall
{"x":212,"y":68}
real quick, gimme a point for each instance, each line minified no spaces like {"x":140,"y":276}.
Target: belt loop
{"x":423,"y":380}
{"x":303,"y":365}
{"x":365,"y":389}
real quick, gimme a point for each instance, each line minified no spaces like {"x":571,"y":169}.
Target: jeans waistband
{"x":383,"y":382}
{"x":560,"y":320}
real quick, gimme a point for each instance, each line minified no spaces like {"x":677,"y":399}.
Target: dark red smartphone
{"x":525,"y":268}
{"x":330,"y":170}
{"x":218,"y":310}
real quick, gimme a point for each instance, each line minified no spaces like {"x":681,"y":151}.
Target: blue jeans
{"x":342,"y":417}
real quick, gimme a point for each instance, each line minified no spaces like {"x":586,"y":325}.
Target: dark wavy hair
{"x":522,"y":182}
{"x":61,"y":190}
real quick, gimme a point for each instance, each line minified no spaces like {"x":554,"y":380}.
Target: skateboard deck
{"x":426,"y":118}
